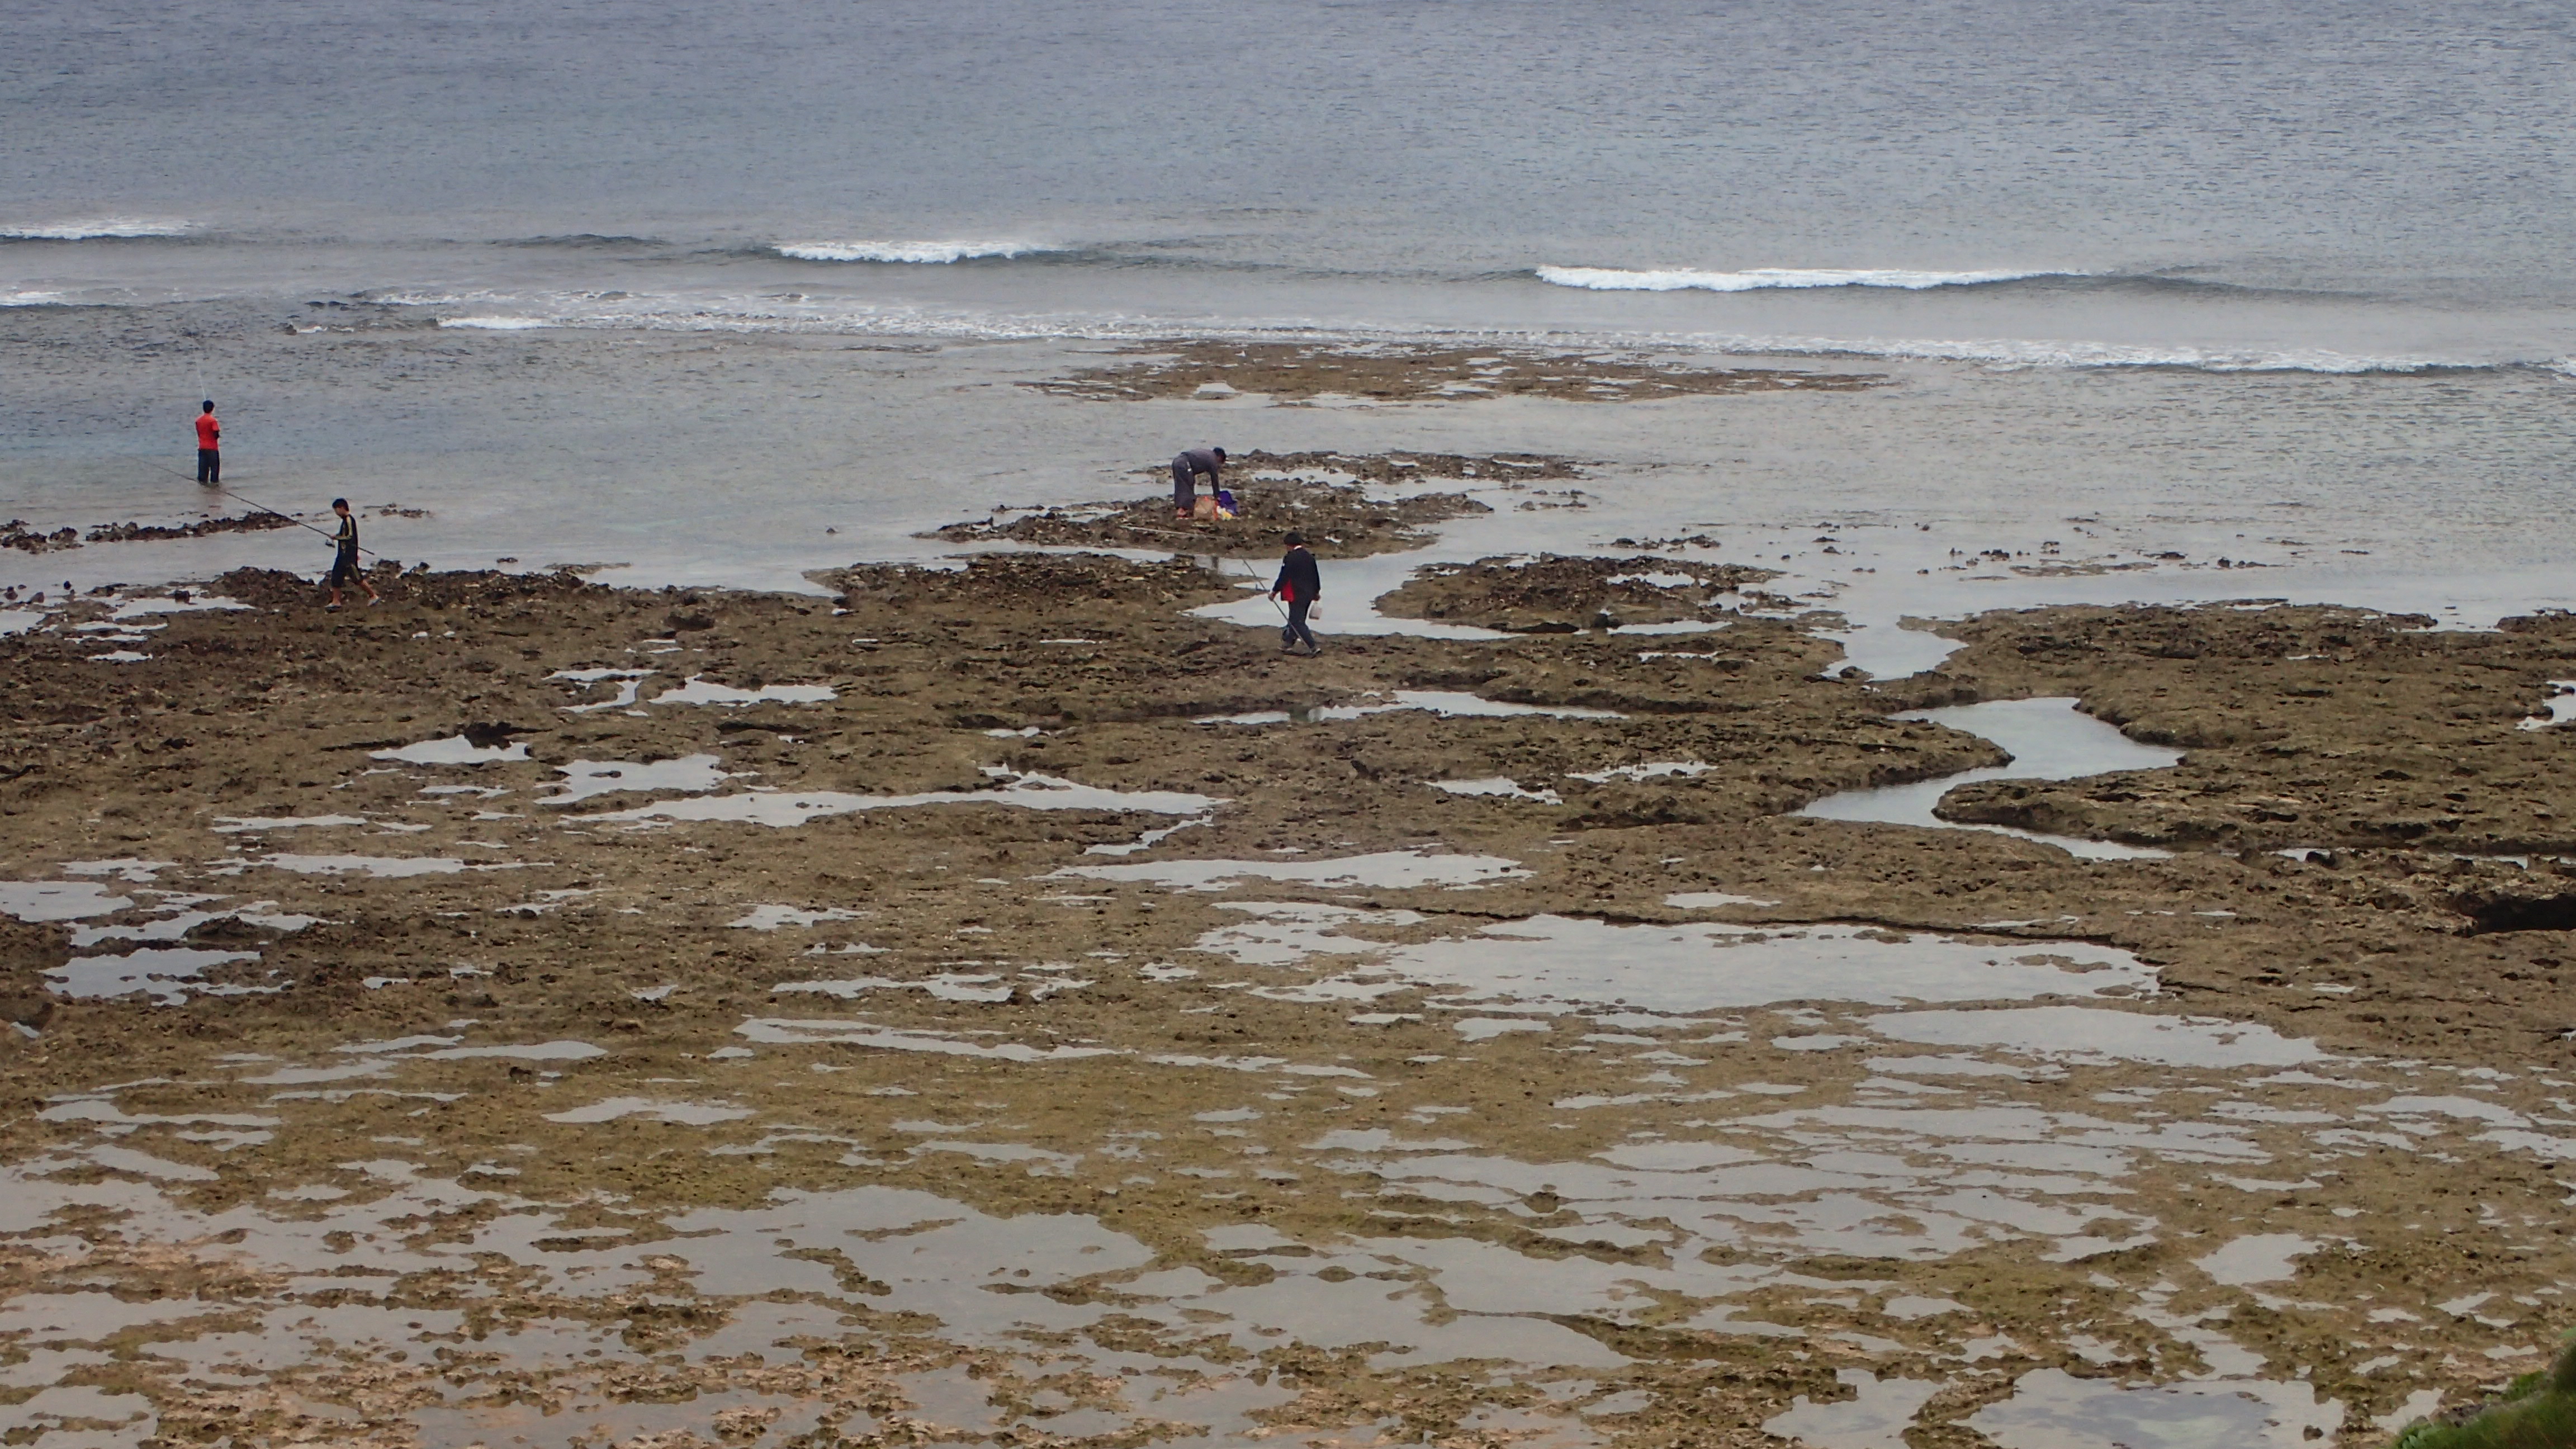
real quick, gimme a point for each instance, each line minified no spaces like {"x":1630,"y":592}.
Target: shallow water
{"x":1448,"y":704}
{"x":2090,"y":1034}
{"x":1561,"y":964}
{"x":700,"y":691}
{"x":783,"y":809}
{"x":454,"y":750}
{"x":587,"y":779}
{"x":1726,"y":1195}
{"x":167,"y":974}
{"x":2052,"y":1409}
{"x":1388,"y":870}
{"x":2048,"y":740}
{"x":1498,"y":787}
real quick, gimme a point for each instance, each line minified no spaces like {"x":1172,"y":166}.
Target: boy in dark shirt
{"x":1301,"y":585}
{"x":344,"y":561}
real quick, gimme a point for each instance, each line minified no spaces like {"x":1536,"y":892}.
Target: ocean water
{"x":680,"y":289}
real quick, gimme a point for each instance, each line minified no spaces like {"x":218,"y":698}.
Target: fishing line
{"x":262,"y":507}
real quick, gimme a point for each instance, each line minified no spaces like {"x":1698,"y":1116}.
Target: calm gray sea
{"x":679,"y":286}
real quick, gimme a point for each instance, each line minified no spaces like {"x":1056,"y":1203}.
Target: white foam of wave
{"x":1757,"y":279}
{"x":2019,"y":353}
{"x":97,"y":229}
{"x":934,"y":252}
{"x":747,"y":315}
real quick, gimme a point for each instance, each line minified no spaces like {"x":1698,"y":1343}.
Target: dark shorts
{"x":344,"y":571}
{"x":210,"y":465}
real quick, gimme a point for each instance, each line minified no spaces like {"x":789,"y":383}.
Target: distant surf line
{"x":1999,"y":353}
{"x":1757,"y":279}
{"x":113,"y":228}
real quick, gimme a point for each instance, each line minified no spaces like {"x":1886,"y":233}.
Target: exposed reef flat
{"x":992,"y":1003}
{"x":1307,"y":373}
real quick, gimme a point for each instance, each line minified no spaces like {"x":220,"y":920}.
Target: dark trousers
{"x":1185,"y":488}
{"x":210,"y":467}
{"x":1296,"y":628}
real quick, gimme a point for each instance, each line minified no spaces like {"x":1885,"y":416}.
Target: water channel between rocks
{"x":2048,"y":740}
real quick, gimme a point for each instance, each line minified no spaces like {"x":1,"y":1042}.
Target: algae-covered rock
{"x":2538,"y":1411}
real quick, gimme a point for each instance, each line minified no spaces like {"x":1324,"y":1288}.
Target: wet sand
{"x":997,"y":1004}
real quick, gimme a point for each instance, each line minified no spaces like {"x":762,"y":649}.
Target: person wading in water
{"x":210,"y":458}
{"x":1301,"y":584}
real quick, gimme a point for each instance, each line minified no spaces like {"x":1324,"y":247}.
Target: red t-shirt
{"x":206,"y":430}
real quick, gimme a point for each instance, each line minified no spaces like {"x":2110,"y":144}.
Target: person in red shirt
{"x":210,"y":460}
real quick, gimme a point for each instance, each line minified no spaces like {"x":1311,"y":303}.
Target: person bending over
{"x":1185,"y":476}
{"x":210,"y":458}
{"x":344,"y":561}
{"x":1301,"y":584}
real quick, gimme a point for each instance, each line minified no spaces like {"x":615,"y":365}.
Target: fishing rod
{"x":262,"y":507}
{"x":1247,"y":566}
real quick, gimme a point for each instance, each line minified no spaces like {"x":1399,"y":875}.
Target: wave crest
{"x":907,"y":251}
{"x":112,"y":228}
{"x":1617,"y":279}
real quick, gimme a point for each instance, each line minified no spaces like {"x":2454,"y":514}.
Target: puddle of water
{"x":1448,"y":704}
{"x":1711,"y":900}
{"x":771,"y":918}
{"x":447,"y":1049}
{"x":2047,"y":739}
{"x":583,"y":779}
{"x":167,"y":974}
{"x":855,"y":1032}
{"x":784,"y":809}
{"x":2560,"y":706}
{"x":1875,"y":1417}
{"x":949,"y":987}
{"x":2052,"y":1409}
{"x":1561,"y":963}
{"x":1651,"y":770}
{"x":1676,"y":626}
{"x":687,"y":1114}
{"x":236,"y":824}
{"x":628,"y":681}
{"x":194,"y":603}
{"x":454,"y":750}
{"x":382,"y":867}
{"x":2096,"y":1036}
{"x":2261,"y":1258}
{"x":698,"y":691}
{"x":1500,"y":787}
{"x":1384,"y":870}
{"x":1890,"y":651}
{"x":39,"y":901}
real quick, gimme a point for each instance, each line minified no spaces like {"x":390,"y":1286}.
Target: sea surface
{"x":677,"y":289}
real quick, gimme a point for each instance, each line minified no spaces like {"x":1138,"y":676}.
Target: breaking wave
{"x":908,"y":251}
{"x":792,"y":314}
{"x":2018,"y":353}
{"x":1758,"y":279}
{"x":113,"y":228}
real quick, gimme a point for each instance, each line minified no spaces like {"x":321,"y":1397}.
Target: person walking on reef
{"x":344,"y":563}
{"x":1300,"y":584}
{"x":1185,"y":476}
{"x":210,"y":458}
